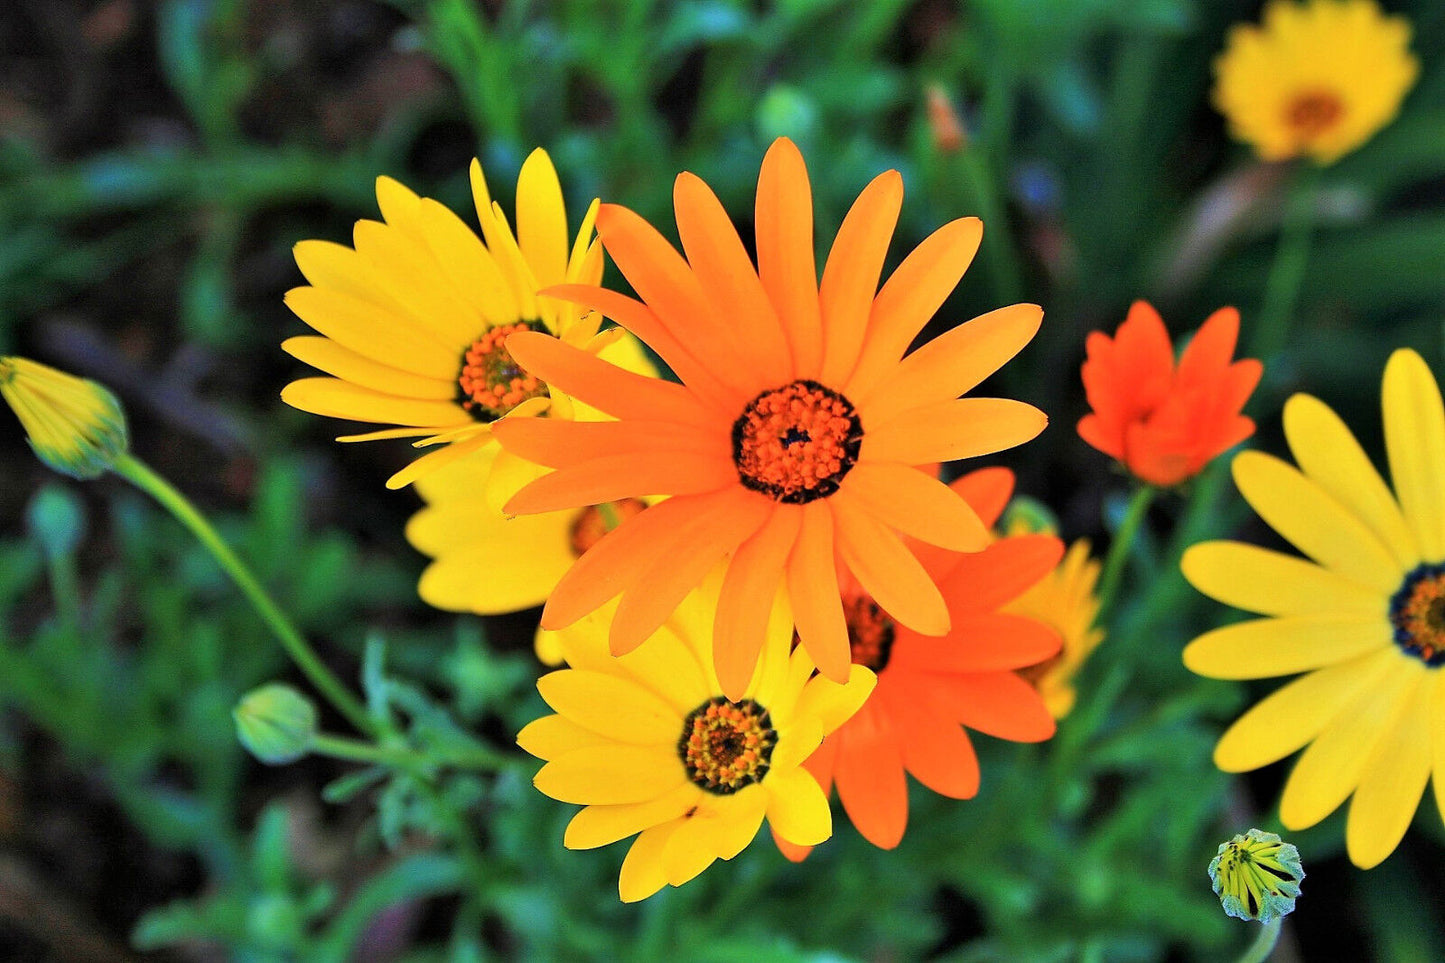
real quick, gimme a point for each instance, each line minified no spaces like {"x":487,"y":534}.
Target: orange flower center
{"x":795,"y":443}
{"x":1312,"y":112}
{"x":870,"y":632}
{"x":1418,"y":611}
{"x":727,"y":745}
{"x":491,"y":382}
{"x":595,"y":521}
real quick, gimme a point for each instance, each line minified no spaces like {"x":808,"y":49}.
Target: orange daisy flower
{"x":928,"y":688}
{"x":791,"y":442}
{"x":1161,"y":421}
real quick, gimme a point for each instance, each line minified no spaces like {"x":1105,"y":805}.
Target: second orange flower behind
{"x":1164,"y":422}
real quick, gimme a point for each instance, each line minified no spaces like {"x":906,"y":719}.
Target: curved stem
{"x":1287,"y":272}
{"x":140,"y":475}
{"x":1119,"y":548}
{"x":1263,"y":944}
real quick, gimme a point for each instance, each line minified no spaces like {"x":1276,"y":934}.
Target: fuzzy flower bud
{"x":74,"y":425}
{"x":1256,"y":876}
{"x":275,"y":723}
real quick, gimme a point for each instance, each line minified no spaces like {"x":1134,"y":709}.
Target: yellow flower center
{"x":491,"y":382}
{"x":1313,"y":112}
{"x":727,"y":745}
{"x":870,"y":632}
{"x":595,"y":521}
{"x":1418,"y":612}
{"x":795,"y":443}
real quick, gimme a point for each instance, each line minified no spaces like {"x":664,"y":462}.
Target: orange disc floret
{"x":1164,"y":422}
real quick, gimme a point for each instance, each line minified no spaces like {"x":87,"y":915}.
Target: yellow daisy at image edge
{"x":649,"y":745}
{"x":1362,"y":617}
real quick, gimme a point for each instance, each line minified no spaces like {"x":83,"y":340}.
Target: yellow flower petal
{"x":341,"y":399}
{"x":1314,"y":522}
{"x":553,"y":736}
{"x":332,"y":358}
{"x":374,"y":332}
{"x":835,"y":704}
{"x":1293,"y":715}
{"x":795,"y":744}
{"x":1394,"y":779}
{"x":611,"y":706}
{"x":797,"y":808}
{"x":1268,"y":647}
{"x":542,"y":219}
{"x":670,"y":671}
{"x":1334,"y":764}
{"x":600,"y":825}
{"x":1272,"y":583}
{"x":1437,"y":740}
{"x":1415,"y":441}
{"x":492,"y":573}
{"x":615,"y":774}
{"x":1328,"y":453}
{"x":642,"y":871}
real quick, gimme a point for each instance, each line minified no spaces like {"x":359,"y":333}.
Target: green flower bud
{"x":74,"y":425}
{"x":56,"y":519}
{"x":275,"y":723}
{"x":1256,"y":876}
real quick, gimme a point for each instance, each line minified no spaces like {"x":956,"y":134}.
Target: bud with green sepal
{"x":74,"y":425}
{"x":275,"y":723}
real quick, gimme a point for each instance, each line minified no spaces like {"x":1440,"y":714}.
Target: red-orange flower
{"x":1164,"y":423}
{"x":928,"y":688}
{"x":790,"y":444}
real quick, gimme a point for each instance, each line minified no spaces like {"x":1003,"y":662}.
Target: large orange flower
{"x":791,"y":442}
{"x":928,"y":688}
{"x":1165,"y":423}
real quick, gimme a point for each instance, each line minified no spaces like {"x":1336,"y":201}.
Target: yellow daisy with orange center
{"x":413,"y":320}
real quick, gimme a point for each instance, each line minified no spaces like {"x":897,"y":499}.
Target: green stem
{"x":65,"y":586}
{"x":1263,"y":944}
{"x":140,"y":475}
{"x":1286,"y":274}
{"x":1119,"y":548}
{"x":354,"y":750}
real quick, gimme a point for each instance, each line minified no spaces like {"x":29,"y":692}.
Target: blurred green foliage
{"x":1102,"y":175}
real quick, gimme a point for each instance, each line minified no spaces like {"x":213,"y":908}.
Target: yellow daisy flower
{"x":649,"y":745}
{"x":1319,"y":78}
{"x":75,"y":426}
{"x":1365,"y":619}
{"x":414,"y":319}
{"x":1065,"y":601}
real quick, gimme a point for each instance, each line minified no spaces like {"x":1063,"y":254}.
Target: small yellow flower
{"x":73,"y":424}
{"x":649,"y":745}
{"x":1318,"y":79}
{"x":1256,"y":876}
{"x":415,"y":318}
{"x":1065,"y":601}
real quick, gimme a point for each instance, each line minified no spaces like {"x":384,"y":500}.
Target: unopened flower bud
{"x":73,"y":424}
{"x":1256,"y":876}
{"x":949,"y":135}
{"x":275,"y":723}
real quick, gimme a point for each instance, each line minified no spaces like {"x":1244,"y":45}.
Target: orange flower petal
{"x":998,"y":704}
{"x":916,"y":504}
{"x":784,"y":225}
{"x":605,"y":386}
{"x":936,"y":750}
{"x":911,"y":296}
{"x":869,"y":774}
{"x":732,"y":518}
{"x":850,"y":277}
{"x":748,"y":593}
{"x":983,"y":581}
{"x":949,"y":430}
{"x":722,"y":267}
{"x":987,"y":490}
{"x":629,"y":475}
{"x":886,"y":569}
{"x":1211,"y":348}
{"x":985,"y":642}
{"x":951,"y":363}
{"x":813,"y":589}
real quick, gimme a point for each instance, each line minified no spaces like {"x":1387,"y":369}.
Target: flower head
{"x":788,"y":445}
{"x":1065,"y":601}
{"x":414,"y":319}
{"x":650,"y":745}
{"x":1362,"y":618}
{"x":1256,"y":876}
{"x":72,"y":424}
{"x":275,"y":723}
{"x":1161,"y":421}
{"x":930,"y":690}
{"x":1318,"y":79}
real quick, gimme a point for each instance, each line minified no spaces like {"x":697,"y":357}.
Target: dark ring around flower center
{"x":795,"y":443}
